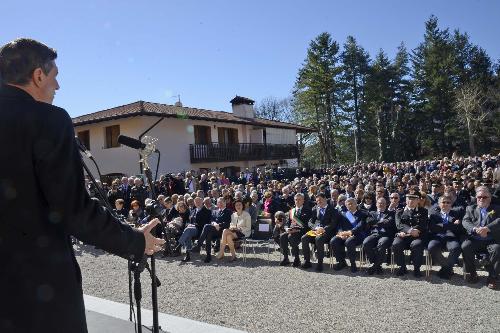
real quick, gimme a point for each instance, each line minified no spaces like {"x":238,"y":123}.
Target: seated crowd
{"x":448,"y":205}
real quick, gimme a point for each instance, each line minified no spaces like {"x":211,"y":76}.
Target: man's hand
{"x":415,"y":232}
{"x":483,"y":232}
{"x":153,"y":244}
{"x":456,"y":222}
{"x":401,"y":234}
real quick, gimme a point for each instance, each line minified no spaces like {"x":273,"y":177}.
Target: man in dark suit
{"x":285,"y":201}
{"x":200,"y":216}
{"x":482,"y":223}
{"x":323,"y":224}
{"x":350,"y":233}
{"x":125,"y":189}
{"x":221,"y":219}
{"x":296,"y":228}
{"x":382,"y":227}
{"x":412,"y":225}
{"x":40,"y":282}
{"x":445,"y":230}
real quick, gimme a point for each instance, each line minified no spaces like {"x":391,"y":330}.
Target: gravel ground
{"x":260,"y":296}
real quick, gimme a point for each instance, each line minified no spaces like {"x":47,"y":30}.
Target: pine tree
{"x":355,"y":64}
{"x":434,"y":82}
{"x":316,"y":94}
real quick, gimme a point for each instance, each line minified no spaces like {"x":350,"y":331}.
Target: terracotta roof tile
{"x":155,"y":109}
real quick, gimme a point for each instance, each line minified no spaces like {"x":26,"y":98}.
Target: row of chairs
{"x":363,"y":259}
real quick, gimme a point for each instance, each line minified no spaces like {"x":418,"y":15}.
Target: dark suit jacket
{"x":472,"y":220}
{"x":126,"y":193}
{"x":450,"y":230}
{"x":383,"y":226}
{"x":170,"y":214}
{"x":330,"y":219}
{"x":40,"y":281}
{"x":201,"y":218}
{"x":304,"y":216}
{"x":360,"y":225}
{"x":222,"y":217}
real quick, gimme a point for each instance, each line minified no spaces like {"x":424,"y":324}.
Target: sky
{"x":116,"y":52}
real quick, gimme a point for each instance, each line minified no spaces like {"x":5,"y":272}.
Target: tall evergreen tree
{"x":317,"y":94}
{"x":433,"y":74}
{"x":355,"y":64}
{"x":380,"y":96}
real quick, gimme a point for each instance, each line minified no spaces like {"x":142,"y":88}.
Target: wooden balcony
{"x":218,"y":152}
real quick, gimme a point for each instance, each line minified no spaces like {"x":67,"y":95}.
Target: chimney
{"x":243,"y":107}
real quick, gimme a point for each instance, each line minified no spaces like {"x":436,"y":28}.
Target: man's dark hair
{"x":20,"y":58}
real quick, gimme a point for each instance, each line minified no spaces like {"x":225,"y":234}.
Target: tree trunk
{"x":380,"y":138}
{"x":472,"y":148}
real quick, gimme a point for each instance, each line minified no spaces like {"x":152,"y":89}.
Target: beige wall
{"x":174,"y":137}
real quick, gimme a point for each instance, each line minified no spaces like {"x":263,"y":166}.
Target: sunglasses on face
{"x":482,"y":197}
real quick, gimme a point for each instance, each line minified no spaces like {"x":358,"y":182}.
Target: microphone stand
{"x":154,"y":280}
{"x":136,"y":267}
{"x":139,"y":267}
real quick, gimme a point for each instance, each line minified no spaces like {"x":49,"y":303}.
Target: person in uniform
{"x":411,"y":224}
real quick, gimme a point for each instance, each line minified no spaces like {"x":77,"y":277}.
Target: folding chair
{"x":428,"y":261}
{"x":363,"y":260}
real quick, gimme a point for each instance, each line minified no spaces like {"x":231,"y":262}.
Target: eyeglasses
{"x":446,"y":203}
{"x":394,"y":198}
{"x":482,"y":197}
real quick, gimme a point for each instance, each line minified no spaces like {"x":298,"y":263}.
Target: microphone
{"x":82,"y":147}
{"x":131,"y":142}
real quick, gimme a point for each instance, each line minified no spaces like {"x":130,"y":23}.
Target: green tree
{"x":316,"y":94}
{"x":433,"y":74}
{"x":355,"y":65}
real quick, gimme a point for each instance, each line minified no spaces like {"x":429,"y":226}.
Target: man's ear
{"x":37,"y":77}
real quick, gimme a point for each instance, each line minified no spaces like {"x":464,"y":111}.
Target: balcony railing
{"x":219,"y":152}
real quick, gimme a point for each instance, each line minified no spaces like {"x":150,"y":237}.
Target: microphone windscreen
{"x":131,"y":142}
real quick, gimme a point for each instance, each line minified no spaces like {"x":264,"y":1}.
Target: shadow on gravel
{"x":253,"y":261}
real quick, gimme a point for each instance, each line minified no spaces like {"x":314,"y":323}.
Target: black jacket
{"x":407,"y":219}
{"x":329,"y":220}
{"x":304,"y":216}
{"x":200,"y":218}
{"x":222,"y":217}
{"x":40,"y":281}
{"x":360,"y":227}
{"x":450,"y":229}
{"x":384,"y":226}
{"x":170,"y":214}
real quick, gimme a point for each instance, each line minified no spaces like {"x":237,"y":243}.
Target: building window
{"x":202,"y":135}
{"x":228,"y":135}
{"x":84,"y":137}
{"x":111,"y":136}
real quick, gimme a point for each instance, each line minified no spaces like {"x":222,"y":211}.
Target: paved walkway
{"x":105,"y":316}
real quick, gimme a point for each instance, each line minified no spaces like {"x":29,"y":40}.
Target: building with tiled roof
{"x":189,"y":138}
